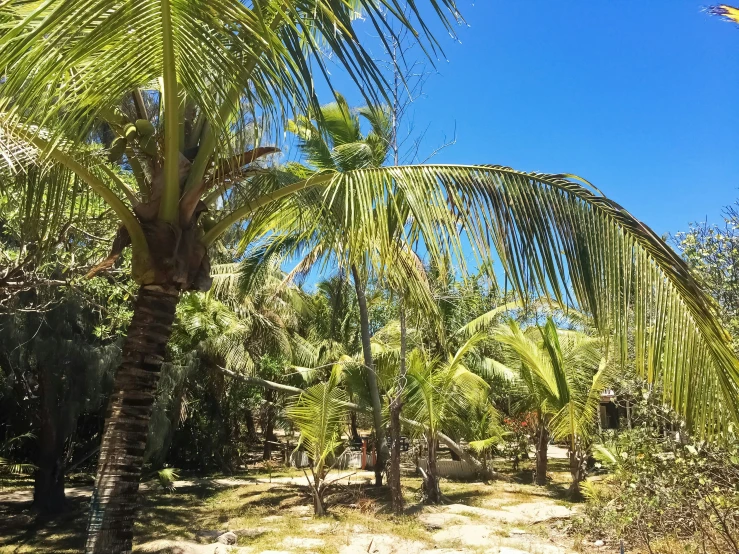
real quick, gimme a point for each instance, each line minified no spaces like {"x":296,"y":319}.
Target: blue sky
{"x":637,"y":97}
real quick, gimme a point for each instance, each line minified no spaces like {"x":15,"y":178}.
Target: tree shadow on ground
{"x":23,"y":528}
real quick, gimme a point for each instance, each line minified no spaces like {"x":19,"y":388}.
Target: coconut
{"x":144,"y":127}
{"x":130,"y":131}
{"x":117,"y":148}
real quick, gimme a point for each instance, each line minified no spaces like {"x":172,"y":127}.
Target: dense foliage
{"x":664,"y":487}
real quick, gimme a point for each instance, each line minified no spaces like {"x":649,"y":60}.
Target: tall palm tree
{"x":179,"y":82}
{"x":332,"y":140}
{"x":171,"y":84}
{"x":564,"y":373}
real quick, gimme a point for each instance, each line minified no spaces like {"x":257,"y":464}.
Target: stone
{"x":599,"y":543}
{"x":516,"y":531}
{"x":228,"y":538}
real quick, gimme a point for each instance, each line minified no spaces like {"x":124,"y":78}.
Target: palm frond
{"x":558,"y":238}
{"x":64,"y":62}
{"x":319,"y":414}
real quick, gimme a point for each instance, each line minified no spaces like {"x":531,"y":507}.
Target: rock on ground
{"x":228,"y":538}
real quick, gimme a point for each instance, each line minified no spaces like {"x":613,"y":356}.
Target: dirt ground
{"x":274,"y":516}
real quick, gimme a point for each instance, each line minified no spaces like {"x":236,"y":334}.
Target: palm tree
{"x":438,"y":394}
{"x":319,"y":413}
{"x":178,"y":80}
{"x":482,"y":428}
{"x":169,"y":86}
{"x":564,"y":373}
{"x":332,"y":140}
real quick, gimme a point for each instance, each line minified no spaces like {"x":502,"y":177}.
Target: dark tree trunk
{"x":251,"y":429}
{"x":48,"y":488}
{"x":353,"y":426}
{"x":431,"y":482}
{"x":374,"y":389}
{"x":115,"y":497}
{"x":395,"y":408}
{"x":269,"y":426}
{"x":542,"y":440}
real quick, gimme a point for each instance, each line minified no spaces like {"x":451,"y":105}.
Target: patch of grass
{"x":264,"y":514}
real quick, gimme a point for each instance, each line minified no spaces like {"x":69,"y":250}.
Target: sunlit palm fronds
{"x":558,"y":238}
{"x":319,"y":414}
{"x":564,"y":373}
{"x":729,"y":13}
{"x":94,"y":53}
{"x":438,"y":393}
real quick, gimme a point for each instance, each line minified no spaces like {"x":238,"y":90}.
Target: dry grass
{"x":264,"y":515}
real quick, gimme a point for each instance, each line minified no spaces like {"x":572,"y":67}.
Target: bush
{"x":665,"y":487}
{"x":517,"y":438}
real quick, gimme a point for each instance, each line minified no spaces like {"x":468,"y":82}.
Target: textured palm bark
{"x":114,"y":500}
{"x":431,"y":480}
{"x":374,"y":389}
{"x":251,"y":429}
{"x":269,"y":426}
{"x":353,"y":426}
{"x":542,"y":441}
{"x":577,"y":471}
{"x":395,"y":408}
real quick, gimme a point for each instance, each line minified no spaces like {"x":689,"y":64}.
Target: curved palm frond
{"x":555,"y":237}
{"x":268,"y":51}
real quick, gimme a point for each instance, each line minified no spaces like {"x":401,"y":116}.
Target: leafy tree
{"x":712,"y":253}
{"x":319,"y":414}
{"x":73,"y":73}
{"x":565,"y":373}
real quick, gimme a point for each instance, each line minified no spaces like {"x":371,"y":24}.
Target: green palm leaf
{"x":319,"y":413}
{"x":64,"y":61}
{"x":557,"y":237}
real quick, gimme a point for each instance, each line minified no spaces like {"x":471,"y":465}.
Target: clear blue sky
{"x":640,"y":98}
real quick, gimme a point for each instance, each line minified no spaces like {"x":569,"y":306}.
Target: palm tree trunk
{"x":269,"y":426}
{"x":542,"y":441}
{"x":353,"y":426}
{"x":382,"y":450}
{"x":433,"y":494}
{"x":251,"y":429}
{"x":395,"y":408}
{"x":114,"y":499}
{"x":577,"y":471}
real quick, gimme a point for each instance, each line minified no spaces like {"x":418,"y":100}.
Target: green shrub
{"x":665,"y":487}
